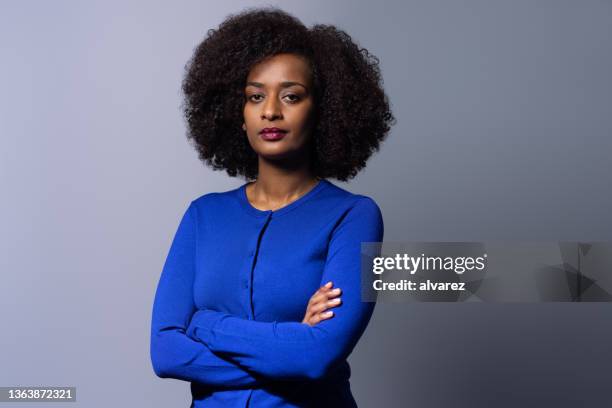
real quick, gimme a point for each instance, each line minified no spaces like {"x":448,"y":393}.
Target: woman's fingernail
{"x":328,"y":284}
{"x":334,"y":301}
{"x":337,"y":290}
{"x":328,"y":313}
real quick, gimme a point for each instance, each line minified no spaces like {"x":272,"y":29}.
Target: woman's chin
{"x":278,"y":155}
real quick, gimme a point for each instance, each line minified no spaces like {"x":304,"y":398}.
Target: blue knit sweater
{"x":234,"y":289}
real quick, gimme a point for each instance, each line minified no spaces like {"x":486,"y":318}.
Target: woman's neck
{"x":276,"y":187}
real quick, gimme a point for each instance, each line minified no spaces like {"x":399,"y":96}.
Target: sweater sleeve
{"x":294,"y":350}
{"x":174,"y":354}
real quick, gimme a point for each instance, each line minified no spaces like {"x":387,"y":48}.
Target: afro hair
{"x":351,"y":109}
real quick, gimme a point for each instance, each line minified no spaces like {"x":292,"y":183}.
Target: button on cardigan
{"x":235,"y":287}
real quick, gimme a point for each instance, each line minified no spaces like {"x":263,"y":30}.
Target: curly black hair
{"x":351,"y":109}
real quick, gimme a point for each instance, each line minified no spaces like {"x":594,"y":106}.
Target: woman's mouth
{"x":272,"y":134}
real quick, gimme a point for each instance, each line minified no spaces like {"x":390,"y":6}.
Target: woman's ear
{"x":244,"y":127}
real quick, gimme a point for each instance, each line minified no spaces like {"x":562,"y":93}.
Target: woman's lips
{"x":272,"y":134}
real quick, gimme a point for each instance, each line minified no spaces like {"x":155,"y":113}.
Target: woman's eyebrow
{"x":285,"y":84}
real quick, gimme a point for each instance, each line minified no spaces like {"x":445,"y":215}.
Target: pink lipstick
{"x":271,"y":134}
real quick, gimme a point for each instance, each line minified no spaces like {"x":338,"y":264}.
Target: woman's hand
{"x":323,"y":299}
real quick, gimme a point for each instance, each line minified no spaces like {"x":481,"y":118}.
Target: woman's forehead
{"x":281,"y":69}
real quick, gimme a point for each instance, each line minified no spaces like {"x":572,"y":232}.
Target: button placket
{"x":253,"y":253}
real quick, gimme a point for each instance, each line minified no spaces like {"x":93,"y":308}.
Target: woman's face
{"x":278,"y":95}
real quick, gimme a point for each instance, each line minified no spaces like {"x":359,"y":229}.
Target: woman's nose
{"x":271,"y":109}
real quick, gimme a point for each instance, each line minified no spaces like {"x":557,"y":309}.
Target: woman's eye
{"x":255,"y":96}
{"x":292,"y":98}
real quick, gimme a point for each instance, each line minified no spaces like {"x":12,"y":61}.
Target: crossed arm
{"x":221,"y":349}
{"x":173,"y":353}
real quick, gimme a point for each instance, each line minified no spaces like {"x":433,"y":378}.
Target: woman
{"x":243,"y":305}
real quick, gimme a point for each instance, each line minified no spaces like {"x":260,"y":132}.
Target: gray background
{"x":504,"y":124}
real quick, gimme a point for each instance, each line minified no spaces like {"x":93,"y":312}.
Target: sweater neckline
{"x":244,"y":200}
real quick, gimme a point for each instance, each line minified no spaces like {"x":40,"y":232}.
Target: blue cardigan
{"x":234,"y":289}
